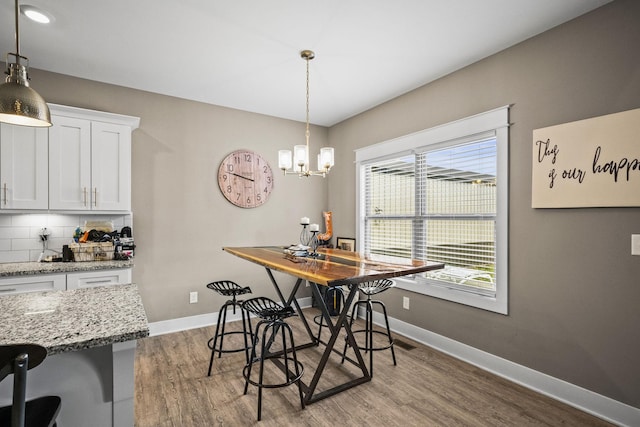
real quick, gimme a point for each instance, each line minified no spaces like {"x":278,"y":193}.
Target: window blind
{"x":437,"y":205}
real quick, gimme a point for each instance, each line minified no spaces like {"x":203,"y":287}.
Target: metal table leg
{"x":310,"y":390}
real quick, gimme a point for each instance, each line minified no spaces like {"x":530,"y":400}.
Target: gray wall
{"x":180,"y":219}
{"x":574,"y":286}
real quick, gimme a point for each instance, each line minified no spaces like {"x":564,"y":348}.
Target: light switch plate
{"x":193,"y":297}
{"x":635,"y":244}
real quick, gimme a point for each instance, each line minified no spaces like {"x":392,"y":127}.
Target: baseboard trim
{"x":593,"y":403}
{"x":200,"y":321}
{"x":185,"y":323}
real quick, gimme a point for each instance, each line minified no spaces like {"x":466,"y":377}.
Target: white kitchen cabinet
{"x":60,"y":282}
{"x":70,"y":163}
{"x":23,"y":167}
{"x":90,"y":279}
{"x":46,"y":282}
{"x":90,"y":160}
{"x":111,"y":166}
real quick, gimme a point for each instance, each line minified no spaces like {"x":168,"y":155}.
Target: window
{"x":441,"y":195}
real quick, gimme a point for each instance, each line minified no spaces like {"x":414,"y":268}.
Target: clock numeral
{"x":266,"y":190}
{"x":229,"y":167}
{"x":228,"y":189}
{"x":238,"y":194}
{"x":265,"y":169}
{"x":248,"y":200}
{"x":224,"y":177}
{"x":258,"y":198}
{"x":247,"y":157}
{"x":268,"y":180}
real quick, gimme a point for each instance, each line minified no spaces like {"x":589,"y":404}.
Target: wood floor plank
{"x":426,"y":388}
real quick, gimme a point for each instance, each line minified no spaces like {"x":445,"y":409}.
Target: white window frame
{"x":495,"y":123}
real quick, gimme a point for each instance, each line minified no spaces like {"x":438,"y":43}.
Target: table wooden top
{"x":332,"y":266}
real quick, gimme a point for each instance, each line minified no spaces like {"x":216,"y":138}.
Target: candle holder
{"x":305,"y":235}
{"x":314,"y":244}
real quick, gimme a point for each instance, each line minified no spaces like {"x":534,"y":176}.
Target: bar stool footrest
{"x":293,"y":378}
{"x":383,"y":333}
{"x":318,"y":318}
{"x":233,"y":350}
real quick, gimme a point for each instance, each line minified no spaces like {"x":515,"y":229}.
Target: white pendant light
{"x":20,"y":104}
{"x":298,"y":163}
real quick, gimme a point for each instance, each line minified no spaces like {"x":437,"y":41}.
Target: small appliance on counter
{"x":126,"y":241}
{"x":67,"y":254}
{"x":128,"y":246}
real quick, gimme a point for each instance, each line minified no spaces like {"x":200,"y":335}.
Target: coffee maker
{"x":126,"y":242}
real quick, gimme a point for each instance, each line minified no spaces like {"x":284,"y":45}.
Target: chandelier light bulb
{"x":284,"y":159}
{"x":326,"y":157}
{"x":300,"y":155}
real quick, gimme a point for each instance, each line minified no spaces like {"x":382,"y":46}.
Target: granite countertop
{"x":64,"y":321}
{"x":11,"y":269}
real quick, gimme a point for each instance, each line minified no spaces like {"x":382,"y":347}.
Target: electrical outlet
{"x":193,"y":297}
{"x":405,"y":303}
{"x":44,"y":233}
{"x":635,"y":244}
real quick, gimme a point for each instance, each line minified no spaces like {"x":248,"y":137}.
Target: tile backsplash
{"x":20,"y":233}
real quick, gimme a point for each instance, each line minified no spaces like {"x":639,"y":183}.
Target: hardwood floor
{"x":426,"y":388}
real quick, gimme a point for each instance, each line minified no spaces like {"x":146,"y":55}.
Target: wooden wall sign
{"x":588,"y":163}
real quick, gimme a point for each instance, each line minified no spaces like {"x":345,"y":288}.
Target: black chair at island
{"x":17,"y":360}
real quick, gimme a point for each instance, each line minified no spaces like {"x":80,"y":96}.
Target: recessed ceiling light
{"x":36,"y":14}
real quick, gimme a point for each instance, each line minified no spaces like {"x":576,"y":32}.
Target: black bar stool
{"x":334,"y":300}
{"x":229,"y":289}
{"x":371,"y":288}
{"x":272,"y":315}
{"x":17,"y":360}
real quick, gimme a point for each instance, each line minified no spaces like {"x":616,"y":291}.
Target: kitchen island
{"x":90,"y":335}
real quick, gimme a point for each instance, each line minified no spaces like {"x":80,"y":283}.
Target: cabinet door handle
{"x":4,"y":190}
{"x":84,"y":194}
{"x":95,"y":196}
{"x":8,"y":290}
{"x":93,"y":282}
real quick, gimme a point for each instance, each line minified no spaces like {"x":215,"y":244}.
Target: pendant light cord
{"x":17,"y":35}
{"x":307,"y":131}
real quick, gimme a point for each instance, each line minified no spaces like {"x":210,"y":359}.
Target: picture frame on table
{"x":346,"y":243}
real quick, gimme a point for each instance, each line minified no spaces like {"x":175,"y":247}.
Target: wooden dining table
{"x":329,"y":267}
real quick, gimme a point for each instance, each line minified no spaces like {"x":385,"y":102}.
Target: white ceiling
{"x":244,"y":54}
